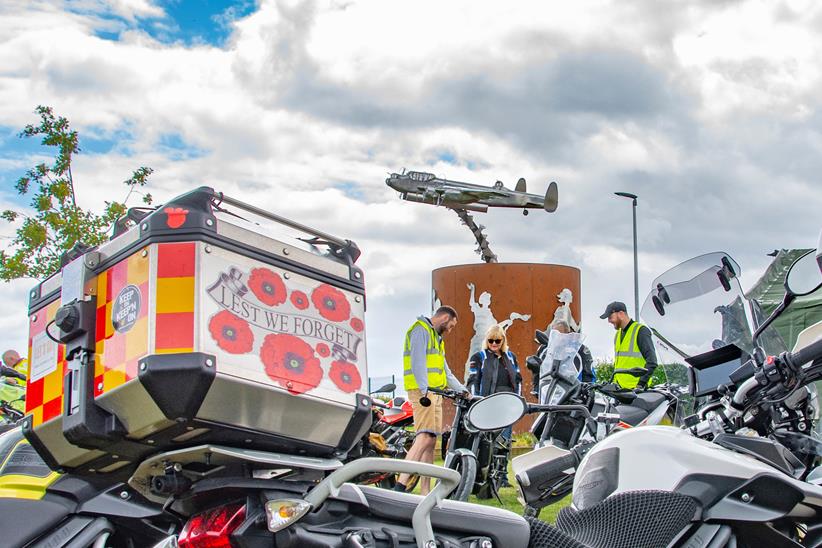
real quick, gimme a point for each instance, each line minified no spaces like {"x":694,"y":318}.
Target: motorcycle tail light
{"x":213,"y":528}
{"x":281,"y":513}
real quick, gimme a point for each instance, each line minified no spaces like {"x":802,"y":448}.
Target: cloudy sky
{"x":709,"y":111}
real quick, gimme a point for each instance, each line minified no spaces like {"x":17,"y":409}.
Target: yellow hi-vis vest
{"x":434,"y":359}
{"x":627,"y":356}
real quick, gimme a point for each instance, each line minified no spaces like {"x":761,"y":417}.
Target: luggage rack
{"x":421,"y":520}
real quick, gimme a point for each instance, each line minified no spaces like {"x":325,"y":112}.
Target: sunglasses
{"x":494,"y":341}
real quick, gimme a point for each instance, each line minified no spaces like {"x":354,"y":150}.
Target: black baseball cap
{"x":615,"y":306}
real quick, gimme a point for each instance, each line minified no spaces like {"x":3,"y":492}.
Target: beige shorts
{"x":426,"y":419}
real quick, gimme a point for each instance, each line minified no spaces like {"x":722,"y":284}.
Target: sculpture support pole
{"x":482,"y":241}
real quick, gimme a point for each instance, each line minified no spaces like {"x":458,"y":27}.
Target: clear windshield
{"x":560,"y":352}
{"x":698,"y":306}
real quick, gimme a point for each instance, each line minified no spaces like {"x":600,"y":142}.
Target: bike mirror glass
{"x":496,"y":411}
{"x":390,"y":387}
{"x":804,"y":276}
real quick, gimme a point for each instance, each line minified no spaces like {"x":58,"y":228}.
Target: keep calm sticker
{"x":126,"y":308}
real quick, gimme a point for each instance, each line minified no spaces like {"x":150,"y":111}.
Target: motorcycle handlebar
{"x":810,"y":353}
{"x":734,"y":407}
{"x":544,"y":408}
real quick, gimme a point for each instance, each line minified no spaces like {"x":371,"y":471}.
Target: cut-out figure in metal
{"x":563,"y":311}
{"x":484,"y":318}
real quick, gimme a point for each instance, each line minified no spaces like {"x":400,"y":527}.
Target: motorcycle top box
{"x":192,"y":327}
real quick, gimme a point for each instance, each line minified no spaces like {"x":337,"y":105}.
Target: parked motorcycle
{"x":12,"y":397}
{"x":388,"y":437}
{"x":481,"y":458}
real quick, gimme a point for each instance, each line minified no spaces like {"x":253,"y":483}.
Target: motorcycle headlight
{"x":556,"y":395}
{"x":281,"y":513}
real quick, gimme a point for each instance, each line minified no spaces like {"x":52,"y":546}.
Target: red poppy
{"x":291,"y":362}
{"x":346,"y":376}
{"x":356,"y":324}
{"x":323,"y":350}
{"x":331,"y":303}
{"x":231,"y":333}
{"x":267,"y":286}
{"x":299,"y":300}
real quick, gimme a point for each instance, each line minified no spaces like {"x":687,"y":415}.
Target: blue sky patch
{"x":191,"y":22}
{"x":350,"y":189}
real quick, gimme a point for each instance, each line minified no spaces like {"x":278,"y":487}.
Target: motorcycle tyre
{"x":466,"y":465}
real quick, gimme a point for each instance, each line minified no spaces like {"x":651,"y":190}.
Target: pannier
{"x":194,"y":327}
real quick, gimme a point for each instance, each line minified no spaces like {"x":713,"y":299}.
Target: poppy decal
{"x":290,"y":361}
{"x":356,"y":324}
{"x":323,"y":350}
{"x":299,"y":300}
{"x":331,"y":303}
{"x":267,"y":286}
{"x":176,"y":216}
{"x":345,"y":375}
{"x":231,"y":333}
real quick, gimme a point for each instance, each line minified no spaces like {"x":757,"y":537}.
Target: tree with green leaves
{"x":55,"y":222}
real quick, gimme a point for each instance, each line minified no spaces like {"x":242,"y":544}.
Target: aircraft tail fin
{"x":521,"y":185}
{"x":551,"y":198}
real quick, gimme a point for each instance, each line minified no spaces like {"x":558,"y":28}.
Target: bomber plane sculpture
{"x":427,"y":188}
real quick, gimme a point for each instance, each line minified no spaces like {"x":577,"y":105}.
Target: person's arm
{"x":419,"y":343}
{"x":517,"y":375}
{"x":452,"y":381}
{"x":646,"y":347}
{"x":475,"y":373}
{"x":587,"y":362}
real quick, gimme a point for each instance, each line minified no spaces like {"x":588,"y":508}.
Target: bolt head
{"x":124,"y":495}
{"x":286,"y":251}
{"x":144,"y":226}
{"x":209,"y":222}
{"x":209,"y":362}
{"x":746,"y":497}
{"x":143,"y":366}
{"x":357,"y":299}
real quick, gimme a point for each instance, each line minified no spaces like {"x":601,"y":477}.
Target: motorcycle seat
{"x":31,"y":518}
{"x":622,"y":395}
{"x":648,"y":400}
{"x":504,"y":528}
{"x":630,"y":414}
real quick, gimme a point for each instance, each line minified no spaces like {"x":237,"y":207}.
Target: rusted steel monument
{"x":523,"y":296}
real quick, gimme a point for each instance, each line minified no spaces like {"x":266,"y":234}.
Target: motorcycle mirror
{"x":496,"y":411}
{"x":425,"y":401}
{"x":803,"y":277}
{"x":390,"y":387}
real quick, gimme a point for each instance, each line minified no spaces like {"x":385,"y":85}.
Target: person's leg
{"x":428,"y":455}
{"x":425,"y":423}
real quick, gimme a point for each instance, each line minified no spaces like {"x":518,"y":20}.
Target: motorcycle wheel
{"x":466,"y":465}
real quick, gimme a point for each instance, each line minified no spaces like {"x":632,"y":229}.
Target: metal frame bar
{"x":421,"y":520}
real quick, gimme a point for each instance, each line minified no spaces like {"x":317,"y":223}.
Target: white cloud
{"x":709,"y":120}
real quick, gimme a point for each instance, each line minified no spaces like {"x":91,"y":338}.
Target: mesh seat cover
{"x":545,"y":536}
{"x":629,"y":520}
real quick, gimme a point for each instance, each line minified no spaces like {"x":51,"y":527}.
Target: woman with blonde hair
{"x":494,"y":368}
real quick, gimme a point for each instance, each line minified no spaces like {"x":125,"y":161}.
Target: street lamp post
{"x":636,"y":267}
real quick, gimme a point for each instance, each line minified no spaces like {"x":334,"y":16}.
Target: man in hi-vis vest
{"x":424,"y":367}
{"x":633,"y":346}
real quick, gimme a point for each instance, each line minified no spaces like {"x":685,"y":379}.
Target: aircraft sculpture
{"x":427,"y":188}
